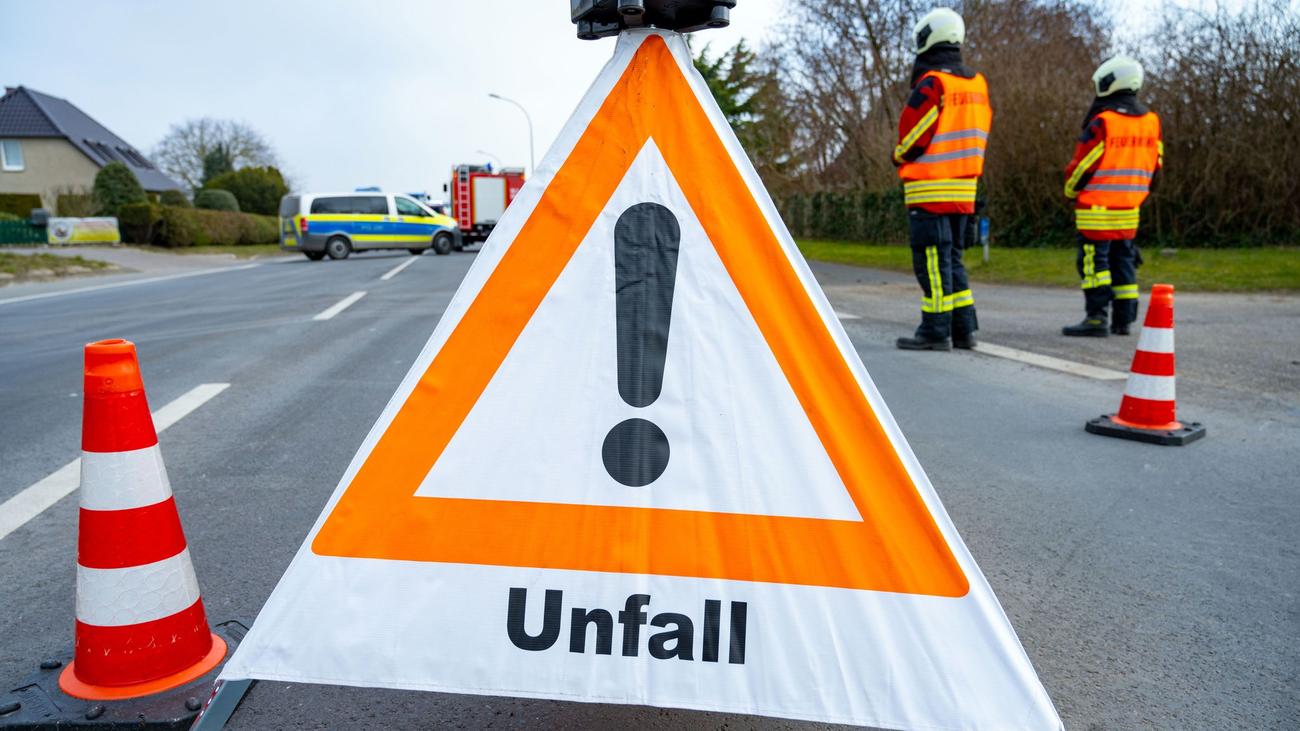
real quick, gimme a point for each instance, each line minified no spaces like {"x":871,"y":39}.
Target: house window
{"x":11,"y":155}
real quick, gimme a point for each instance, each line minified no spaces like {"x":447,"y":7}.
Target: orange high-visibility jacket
{"x":949,"y":169}
{"x":1118,"y":173}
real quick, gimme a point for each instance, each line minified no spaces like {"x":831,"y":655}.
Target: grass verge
{"x":1264,"y":269}
{"x":31,"y":266}
{"x":244,"y":251}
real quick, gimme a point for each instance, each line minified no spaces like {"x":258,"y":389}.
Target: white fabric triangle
{"x":812,"y":652}
{"x":738,"y":436}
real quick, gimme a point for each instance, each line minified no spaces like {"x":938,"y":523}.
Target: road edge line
{"x":1049,"y":362}
{"x":116,"y":285}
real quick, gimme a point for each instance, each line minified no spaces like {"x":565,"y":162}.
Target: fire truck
{"x":478,"y":195}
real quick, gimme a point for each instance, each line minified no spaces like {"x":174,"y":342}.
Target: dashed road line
{"x":339,"y":306}
{"x":397,"y":269}
{"x":1047,"y":361}
{"x":846,"y":316}
{"x":36,"y":498}
{"x":115,"y":285}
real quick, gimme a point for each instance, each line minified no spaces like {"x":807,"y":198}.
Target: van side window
{"x":353,"y":204}
{"x":372,"y":204}
{"x":408,"y":207}
{"x":331,"y":205}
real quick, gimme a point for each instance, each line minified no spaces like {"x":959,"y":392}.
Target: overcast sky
{"x":349,"y":93}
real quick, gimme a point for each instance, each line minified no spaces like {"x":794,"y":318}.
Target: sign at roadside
{"x":639,"y":461}
{"x":83,"y":231}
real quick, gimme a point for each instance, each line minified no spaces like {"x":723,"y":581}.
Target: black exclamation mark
{"x":646,"y":238}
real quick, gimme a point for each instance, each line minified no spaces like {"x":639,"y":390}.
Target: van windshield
{"x":289,"y":206}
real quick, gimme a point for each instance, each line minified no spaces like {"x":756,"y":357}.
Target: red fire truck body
{"x":478,"y":195}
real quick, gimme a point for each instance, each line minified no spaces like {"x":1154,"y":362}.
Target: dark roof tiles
{"x":28,"y":113}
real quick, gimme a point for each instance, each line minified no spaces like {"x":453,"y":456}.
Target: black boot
{"x":1119,"y":328}
{"x":964,"y":325}
{"x":917,"y":343}
{"x":1091,"y":327}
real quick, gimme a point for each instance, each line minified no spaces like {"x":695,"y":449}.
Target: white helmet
{"x":940,"y":25}
{"x":1122,"y":73}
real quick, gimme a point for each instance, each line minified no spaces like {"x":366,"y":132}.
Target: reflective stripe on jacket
{"x":1114,"y":179}
{"x":1130,"y":154}
{"x":954,"y":158}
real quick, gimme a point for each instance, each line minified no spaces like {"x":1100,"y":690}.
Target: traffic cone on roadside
{"x":141,"y":628}
{"x":1147,"y":412}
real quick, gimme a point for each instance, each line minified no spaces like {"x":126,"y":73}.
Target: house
{"x":48,"y":145}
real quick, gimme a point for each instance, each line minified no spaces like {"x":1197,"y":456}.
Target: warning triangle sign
{"x":641,"y":399}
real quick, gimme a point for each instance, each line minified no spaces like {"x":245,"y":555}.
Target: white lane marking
{"x":136,"y":594}
{"x":115,"y":285}
{"x":1047,"y":361}
{"x":188,"y":401}
{"x":397,"y":269}
{"x":339,"y":306}
{"x":34,"y":499}
{"x":846,"y":316}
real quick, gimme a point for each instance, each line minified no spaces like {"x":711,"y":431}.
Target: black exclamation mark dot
{"x":646,"y":238}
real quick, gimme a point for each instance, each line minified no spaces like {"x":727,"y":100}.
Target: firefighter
{"x":1114,"y":166}
{"x":942,"y":135}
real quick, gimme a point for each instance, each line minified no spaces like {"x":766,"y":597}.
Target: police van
{"x":337,"y":224}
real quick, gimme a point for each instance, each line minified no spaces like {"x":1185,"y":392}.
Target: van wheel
{"x":338,"y":248}
{"x":442,"y":244}
{"x":415,"y":252}
{"x":314,"y":255}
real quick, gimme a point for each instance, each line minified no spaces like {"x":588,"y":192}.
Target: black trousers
{"x":947,"y":305}
{"x":1108,"y":270}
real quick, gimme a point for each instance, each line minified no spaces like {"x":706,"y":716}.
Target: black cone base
{"x":39,"y":703}
{"x":1106,"y":427}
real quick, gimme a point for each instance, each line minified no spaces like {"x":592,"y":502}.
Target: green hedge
{"x":853,"y":215}
{"x":76,"y":205}
{"x":19,"y":204}
{"x":117,"y":186}
{"x":138,"y":222}
{"x":258,"y":190}
{"x":213,"y":199}
{"x":174,"y":198}
{"x":179,"y":227}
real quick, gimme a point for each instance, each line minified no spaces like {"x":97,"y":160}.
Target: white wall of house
{"x":49,"y":167}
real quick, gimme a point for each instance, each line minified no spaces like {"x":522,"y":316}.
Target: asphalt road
{"x":1152,"y":587}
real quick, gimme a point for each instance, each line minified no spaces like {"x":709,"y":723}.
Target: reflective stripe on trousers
{"x":936,"y":302}
{"x":1125,"y":291}
{"x":1091,"y":277}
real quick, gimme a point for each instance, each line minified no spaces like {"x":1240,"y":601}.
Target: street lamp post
{"x":531,"y":158}
{"x":485,"y":153}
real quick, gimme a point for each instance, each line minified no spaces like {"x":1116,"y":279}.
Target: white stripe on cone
{"x":1156,"y":340}
{"x":117,"y":597}
{"x":123,"y":480}
{"x":1151,"y":388}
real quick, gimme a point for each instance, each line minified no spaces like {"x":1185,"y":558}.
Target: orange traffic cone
{"x":1147,"y":411}
{"x":141,"y":628}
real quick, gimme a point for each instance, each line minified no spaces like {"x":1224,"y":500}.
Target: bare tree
{"x":1226,"y":84}
{"x":846,"y":64}
{"x":182,"y":151}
